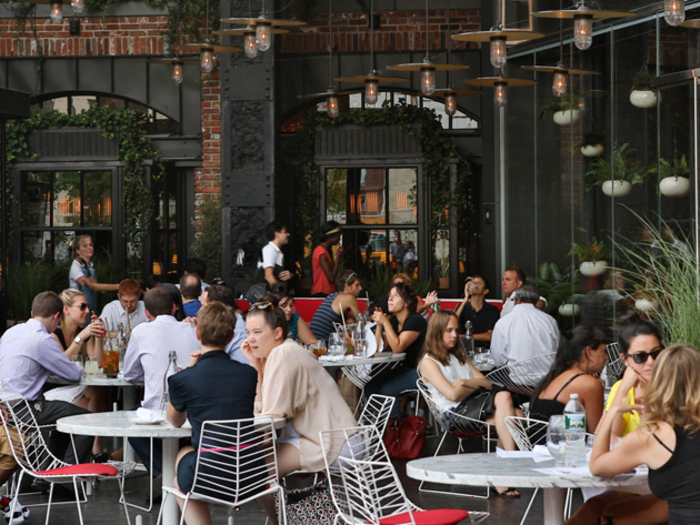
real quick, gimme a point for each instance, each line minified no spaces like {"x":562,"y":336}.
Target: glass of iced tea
{"x":319,"y":348}
{"x":110,"y":359}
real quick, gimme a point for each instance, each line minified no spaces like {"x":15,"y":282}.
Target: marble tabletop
{"x":490,"y":470}
{"x":118,"y":424}
{"x":94,"y":380}
{"x":353,"y":360}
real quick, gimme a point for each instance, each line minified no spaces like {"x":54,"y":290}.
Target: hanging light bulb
{"x":206,"y":60}
{"x":332,"y":106}
{"x":178,"y":73}
{"x":498,"y":52}
{"x":371,"y":91}
{"x":450,"y":104}
{"x":249,"y":46}
{"x":56,"y":14}
{"x":583,"y":31}
{"x":78,"y":6}
{"x":427,"y":80}
{"x":674,"y":12}
{"x":263,"y":35}
{"x":500,"y":94}
{"x":560,"y":84}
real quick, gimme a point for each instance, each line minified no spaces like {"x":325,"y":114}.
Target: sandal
{"x":102,"y":457}
{"x":509,"y":493}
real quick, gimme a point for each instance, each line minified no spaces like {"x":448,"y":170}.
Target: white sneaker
{"x":21,"y":513}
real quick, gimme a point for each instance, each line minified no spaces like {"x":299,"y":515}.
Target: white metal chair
{"x":236,"y":463}
{"x":459,"y":426}
{"x":376,"y":412}
{"x":615,"y":363}
{"x":371,"y":492}
{"x":34,"y":457}
{"x":521,"y":377}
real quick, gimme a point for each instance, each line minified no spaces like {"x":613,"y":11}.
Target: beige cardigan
{"x":297,"y":388}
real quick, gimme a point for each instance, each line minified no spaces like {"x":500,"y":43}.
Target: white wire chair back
{"x":615,"y":363}
{"x":376,"y":412}
{"x":521,"y":377}
{"x":360,"y":442}
{"x":527,"y":432}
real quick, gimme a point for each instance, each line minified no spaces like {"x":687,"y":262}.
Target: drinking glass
{"x":92,"y":366}
{"x":78,"y":359}
{"x":360,"y":347}
{"x":319,"y":348}
{"x":556,"y":438}
{"x":336,"y":344}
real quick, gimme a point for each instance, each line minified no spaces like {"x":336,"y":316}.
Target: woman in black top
{"x":581,"y":353}
{"x":402,"y":333}
{"x":668,"y":439}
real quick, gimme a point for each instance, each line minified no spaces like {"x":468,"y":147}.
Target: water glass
{"x":361,"y":347}
{"x":78,"y":359}
{"x":92,"y":366}
{"x":336,"y":344}
{"x":556,"y":438}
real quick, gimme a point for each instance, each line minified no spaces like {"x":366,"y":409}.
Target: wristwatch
{"x":78,"y":340}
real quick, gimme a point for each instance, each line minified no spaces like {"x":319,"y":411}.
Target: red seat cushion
{"x":427,"y":517}
{"x":81,"y":469}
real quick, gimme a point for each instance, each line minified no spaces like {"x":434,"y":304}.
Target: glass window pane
{"x":402,"y":195}
{"x":34,"y":246}
{"x":97,"y":210}
{"x":82,"y":103}
{"x":403,"y":251}
{"x":372,"y":206}
{"x":36,"y":195}
{"x":336,"y":195}
{"x":62,"y":245}
{"x":374,"y":251}
{"x":66,"y":199}
{"x":441,"y":257}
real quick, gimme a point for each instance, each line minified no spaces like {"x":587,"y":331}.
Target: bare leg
{"x":503,"y":406}
{"x":589,"y":512}
{"x":197,"y":511}
{"x":640,"y":510}
{"x":288,"y":461}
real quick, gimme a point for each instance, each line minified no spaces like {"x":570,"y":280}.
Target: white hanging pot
{"x":568,"y":310}
{"x":674,"y":186}
{"x":592,"y":150}
{"x":593,"y":268}
{"x":644,"y":98}
{"x":644,"y":305}
{"x":566,"y":117}
{"x":616,"y":188}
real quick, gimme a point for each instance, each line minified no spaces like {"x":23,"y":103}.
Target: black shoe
{"x":102,"y":457}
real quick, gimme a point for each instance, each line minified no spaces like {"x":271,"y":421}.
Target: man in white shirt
{"x":127,"y":304}
{"x":526,"y":332}
{"x":272,"y":256}
{"x":147,"y":359}
{"x":513,"y":278}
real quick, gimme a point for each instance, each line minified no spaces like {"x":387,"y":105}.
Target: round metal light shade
{"x":197,"y":47}
{"x":457,"y":92}
{"x":254,"y":21}
{"x":559,"y":69}
{"x":364,"y":78}
{"x":173,"y":60}
{"x":417,"y":66}
{"x":494,"y":81}
{"x":240,"y":32}
{"x":511,"y":35}
{"x":573,"y":13}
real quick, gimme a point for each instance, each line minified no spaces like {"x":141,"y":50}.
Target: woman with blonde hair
{"x":82,"y":274}
{"x":668,"y":438}
{"x":450,"y":378}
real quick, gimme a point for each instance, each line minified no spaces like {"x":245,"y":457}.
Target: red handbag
{"x":405,"y":438}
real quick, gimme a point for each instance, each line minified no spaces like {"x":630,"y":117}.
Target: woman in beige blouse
{"x":293,"y":385}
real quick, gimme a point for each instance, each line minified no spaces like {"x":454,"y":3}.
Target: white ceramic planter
{"x":644,"y":305}
{"x":564,"y":118}
{"x":616,"y":188}
{"x":643,"y":98}
{"x":592,"y":150}
{"x":569,"y":310}
{"x":674,"y":186}
{"x":593,"y":268}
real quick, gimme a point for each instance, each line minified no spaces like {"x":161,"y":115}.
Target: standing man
{"x":513,"y":278}
{"x":148,"y":356}
{"x":28,"y":355}
{"x":272,"y":256}
{"x":474,"y":308}
{"x":127,"y":304}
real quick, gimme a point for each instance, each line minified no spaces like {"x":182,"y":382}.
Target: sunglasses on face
{"x":642,"y":357}
{"x":82,"y":306}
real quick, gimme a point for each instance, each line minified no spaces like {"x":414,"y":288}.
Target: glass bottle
{"x":170,"y":371}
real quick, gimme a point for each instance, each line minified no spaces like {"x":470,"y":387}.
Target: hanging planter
{"x":568,"y":310}
{"x":644,"y":98}
{"x":566,"y":117}
{"x":674,"y":176}
{"x":592,"y":257}
{"x":674,"y":186}
{"x":616,"y":188}
{"x":593,"y":268}
{"x":592,"y":150}
{"x":565,"y":110}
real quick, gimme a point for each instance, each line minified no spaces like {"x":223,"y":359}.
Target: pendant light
{"x":450,"y":97}
{"x":78,"y":6}
{"x":177,"y":62}
{"x":583,"y":21}
{"x":427,"y":68}
{"x":250,"y":46}
{"x":500,"y":86}
{"x":373,"y":79}
{"x":56,"y":7}
{"x":56,"y":13}
{"x":674,"y":12}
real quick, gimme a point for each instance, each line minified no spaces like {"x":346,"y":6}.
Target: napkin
{"x":145,"y":414}
{"x":331,"y":357}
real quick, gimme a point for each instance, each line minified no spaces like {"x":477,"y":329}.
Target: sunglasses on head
{"x":262,"y":306}
{"x":82,"y":306}
{"x":642,"y":357}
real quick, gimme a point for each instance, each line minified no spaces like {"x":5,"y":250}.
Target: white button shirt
{"x":114,"y":314}
{"x":524,"y":333}
{"x":147,"y":355}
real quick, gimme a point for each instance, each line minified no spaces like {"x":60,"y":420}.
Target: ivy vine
{"x":135,"y":151}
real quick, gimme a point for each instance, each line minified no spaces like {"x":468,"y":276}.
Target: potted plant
{"x":444,"y":269}
{"x":564,"y":111}
{"x":617,"y":176}
{"x":593,"y":143}
{"x":592,"y":257}
{"x":674,"y":176}
{"x":643,"y":95}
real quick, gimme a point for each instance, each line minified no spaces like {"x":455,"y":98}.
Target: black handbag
{"x":479,"y":404}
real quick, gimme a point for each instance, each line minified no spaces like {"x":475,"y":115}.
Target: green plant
{"x":624,"y":165}
{"x":676,"y":168}
{"x":595,"y":251}
{"x":556,"y":285}
{"x":28,"y":279}
{"x":444,"y":267}
{"x":207,"y":243}
{"x":567,"y":102}
{"x":642,"y":79}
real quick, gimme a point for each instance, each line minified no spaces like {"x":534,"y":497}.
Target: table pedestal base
{"x":554,"y":506}
{"x":170,"y":449}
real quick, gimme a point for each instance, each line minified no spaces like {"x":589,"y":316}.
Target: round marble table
{"x":490,"y":470}
{"x":353,"y":360}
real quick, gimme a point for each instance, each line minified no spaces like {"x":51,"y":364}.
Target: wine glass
{"x":556,"y":438}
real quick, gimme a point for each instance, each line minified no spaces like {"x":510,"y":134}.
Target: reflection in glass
{"x":36,"y":195}
{"x":402,"y":195}
{"x":97,"y":207}
{"x":336,"y":195}
{"x":441,"y":257}
{"x":66,"y":199}
{"x":62,"y":241}
{"x":37,"y":246}
{"x":371,"y":205}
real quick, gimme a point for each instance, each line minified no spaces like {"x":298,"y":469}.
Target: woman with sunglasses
{"x":82,"y":274}
{"x":78,"y":339}
{"x":293,"y":385}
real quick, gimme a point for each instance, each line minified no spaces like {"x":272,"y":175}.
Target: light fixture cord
{"x":561,"y":34}
{"x":499,"y":15}
{"x":371,"y":35}
{"x":330,"y":44}
{"x":449,"y":43}
{"x":427,"y":32}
